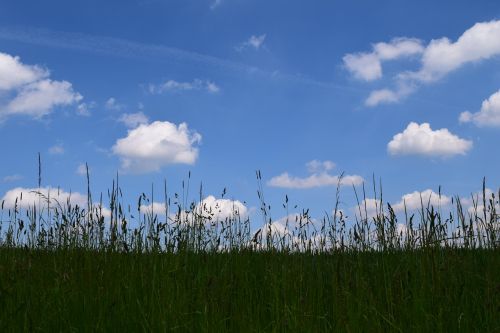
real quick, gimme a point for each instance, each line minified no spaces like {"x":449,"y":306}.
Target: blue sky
{"x":303,"y":91}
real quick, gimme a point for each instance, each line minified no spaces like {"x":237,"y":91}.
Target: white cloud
{"x":175,"y":86}
{"x":319,"y":166}
{"x":397,"y":48}
{"x":83,"y":109}
{"x":412,"y":201}
{"x":112,"y":104}
{"x":318,"y":178}
{"x":438,"y":59}
{"x":14,"y":74}
{"x":12,"y":178}
{"x":149,"y":147}
{"x":29,"y":197}
{"x":488,"y":116}
{"x":28,"y":90}
{"x":56,"y":149}
{"x":480,"y":42}
{"x":382,"y":96}
{"x":388,"y":96}
{"x":364,"y":66}
{"x":210,"y":208}
{"x":422,"y":140}
{"x":367,"y":209}
{"x":255,"y":42}
{"x":416,"y":199}
{"x":294,"y":232}
{"x":368,"y":66}
{"x":212,"y":87}
{"x":221,"y":209}
{"x":37,"y":99}
{"x":474,"y":203}
{"x":133,"y":120}
{"x":26,"y":198}
{"x":157,"y":208}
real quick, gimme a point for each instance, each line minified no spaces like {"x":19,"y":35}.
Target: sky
{"x":207,"y":92}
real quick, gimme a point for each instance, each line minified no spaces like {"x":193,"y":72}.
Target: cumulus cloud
{"x":370,"y":207}
{"x":441,"y":56}
{"x":210,"y":208}
{"x":149,"y":147}
{"x":438,"y":58}
{"x":25,"y":198}
{"x":37,"y":99}
{"x":254,"y":42}
{"x":368,"y":66}
{"x":422,"y":140}
{"x":294,"y":232}
{"x":221,"y":209}
{"x":319,"y":177}
{"x":364,"y":66}
{"x":367,"y":209}
{"x":30,"y":197}
{"x":416,"y":199}
{"x":133,"y":120}
{"x":28,"y":90}
{"x":156,"y":208}
{"x":474,"y":203}
{"x":14,"y":74}
{"x":173,"y":86}
{"x":488,"y":116}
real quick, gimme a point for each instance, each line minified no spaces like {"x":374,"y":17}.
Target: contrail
{"x":118,"y":47}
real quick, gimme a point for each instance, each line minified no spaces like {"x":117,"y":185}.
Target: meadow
{"x":66,"y":267}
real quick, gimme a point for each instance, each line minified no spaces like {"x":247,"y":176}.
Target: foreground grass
{"x":104,"y":265}
{"x":430,"y":290}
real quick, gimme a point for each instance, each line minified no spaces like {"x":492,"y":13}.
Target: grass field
{"x":70,"y":268}
{"x":78,"y":290}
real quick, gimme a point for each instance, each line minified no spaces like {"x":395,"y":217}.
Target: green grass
{"x":77,"y":290}
{"x":70,"y":268}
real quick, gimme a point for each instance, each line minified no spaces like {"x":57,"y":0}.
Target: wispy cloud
{"x":215,"y":4}
{"x":83,"y":109}
{"x":12,"y":178}
{"x":133,"y":120}
{"x":118,"y":47}
{"x":81,"y":170}
{"x":319,"y":177}
{"x":176,"y":86}
{"x":113,"y":105}
{"x":56,"y":149}
{"x":254,"y":42}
